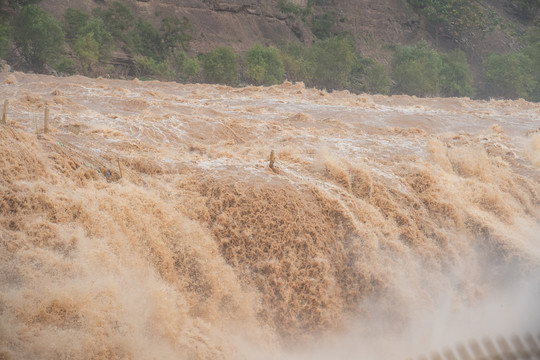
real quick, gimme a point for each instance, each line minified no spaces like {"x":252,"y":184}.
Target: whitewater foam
{"x":387,"y":224}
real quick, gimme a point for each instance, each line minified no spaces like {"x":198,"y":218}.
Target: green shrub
{"x":422,"y":71}
{"x":74,"y":21}
{"x":39,"y":36}
{"x":416,"y":70}
{"x":330,"y":62}
{"x":88,"y":37}
{"x":4,"y":38}
{"x":287,"y":7}
{"x":145,"y":40}
{"x":65,"y":65}
{"x":175,"y":34}
{"x":118,"y":19}
{"x":533,"y":52}
{"x":191,"y":68}
{"x":369,"y":76}
{"x":515,"y":75}
{"x":510,"y":75}
{"x":140,"y":38}
{"x":294,"y":59}
{"x":456,"y":76}
{"x":146,"y":66}
{"x":358,"y":72}
{"x":460,"y":16}
{"x":376,"y":79}
{"x":264,"y":66}
{"x":87,"y":48}
{"x":15,"y":4}
{"x":98,"y":31}
{"x":220,"y":66}
{"x":187,"y":67}
{"x":321,"y":25}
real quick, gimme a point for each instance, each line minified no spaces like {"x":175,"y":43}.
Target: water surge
{"x":390,"y":226}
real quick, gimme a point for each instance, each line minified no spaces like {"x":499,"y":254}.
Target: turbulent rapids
{"x":389,"y":227}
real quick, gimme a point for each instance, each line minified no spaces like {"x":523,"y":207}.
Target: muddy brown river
{"x":147,"y":224}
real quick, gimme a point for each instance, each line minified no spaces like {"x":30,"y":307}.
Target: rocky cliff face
{"x":235,"y":23}
{"x":242,"y":23}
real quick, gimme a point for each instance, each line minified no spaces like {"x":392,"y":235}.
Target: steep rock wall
{"x":242,"y":23}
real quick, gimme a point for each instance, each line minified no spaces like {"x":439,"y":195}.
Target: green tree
{"x":74,"y":21}
{"x":510,"y":75}
{"x":97,"y":28}
{"x":87,"y":48}
{"x":456,"y":76}
{"x":330,"y":62}
{"x":264,"y":66}
{"x":118,"y":19}
{"x":190,"y":68}
{"x":187,"y":67}
{"x":145,"y":40}
{"x":4,"y":37}
{"x":65,"y":65}
{"x":416,"y":70}
{"x":532,"y":51}
{"x":459,"y":16}
{"x":321,"y":25}
{"x":294,"y":59}
{"x":376,"y":79}
{"x":369,"y":76}
{"x":176,"y":33}
{"x":88,"y":37}
{"x":7,"y":5}
{"x":147,"y":66}
{"x":220,"y":66}
{"x":287,"y":7}
{"x":39,"y":36}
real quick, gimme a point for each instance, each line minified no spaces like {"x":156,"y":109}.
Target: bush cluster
{"x":263,"y":65}
{"x":4,"y":38}
{"x":39,"y":36}
{"x":460,"y":17}
{"x":515,"y":75}
{"x":334,"y":64}
{"x":85,"y":43}
{"x":220,"y":66}
{"x":420,"y":70}
{"x":157,"y":52}
{"x":330,"y":63}
{"x":88,"y":37}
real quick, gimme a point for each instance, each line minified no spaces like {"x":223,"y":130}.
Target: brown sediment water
{"x":390,"y":226}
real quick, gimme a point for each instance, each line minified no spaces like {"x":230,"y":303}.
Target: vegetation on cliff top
{"x":112,"y":40}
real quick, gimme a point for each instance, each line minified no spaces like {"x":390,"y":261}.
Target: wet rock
{"x":49,"y":70}
{"x":4,"y":66}
{"x":10,"y":80}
